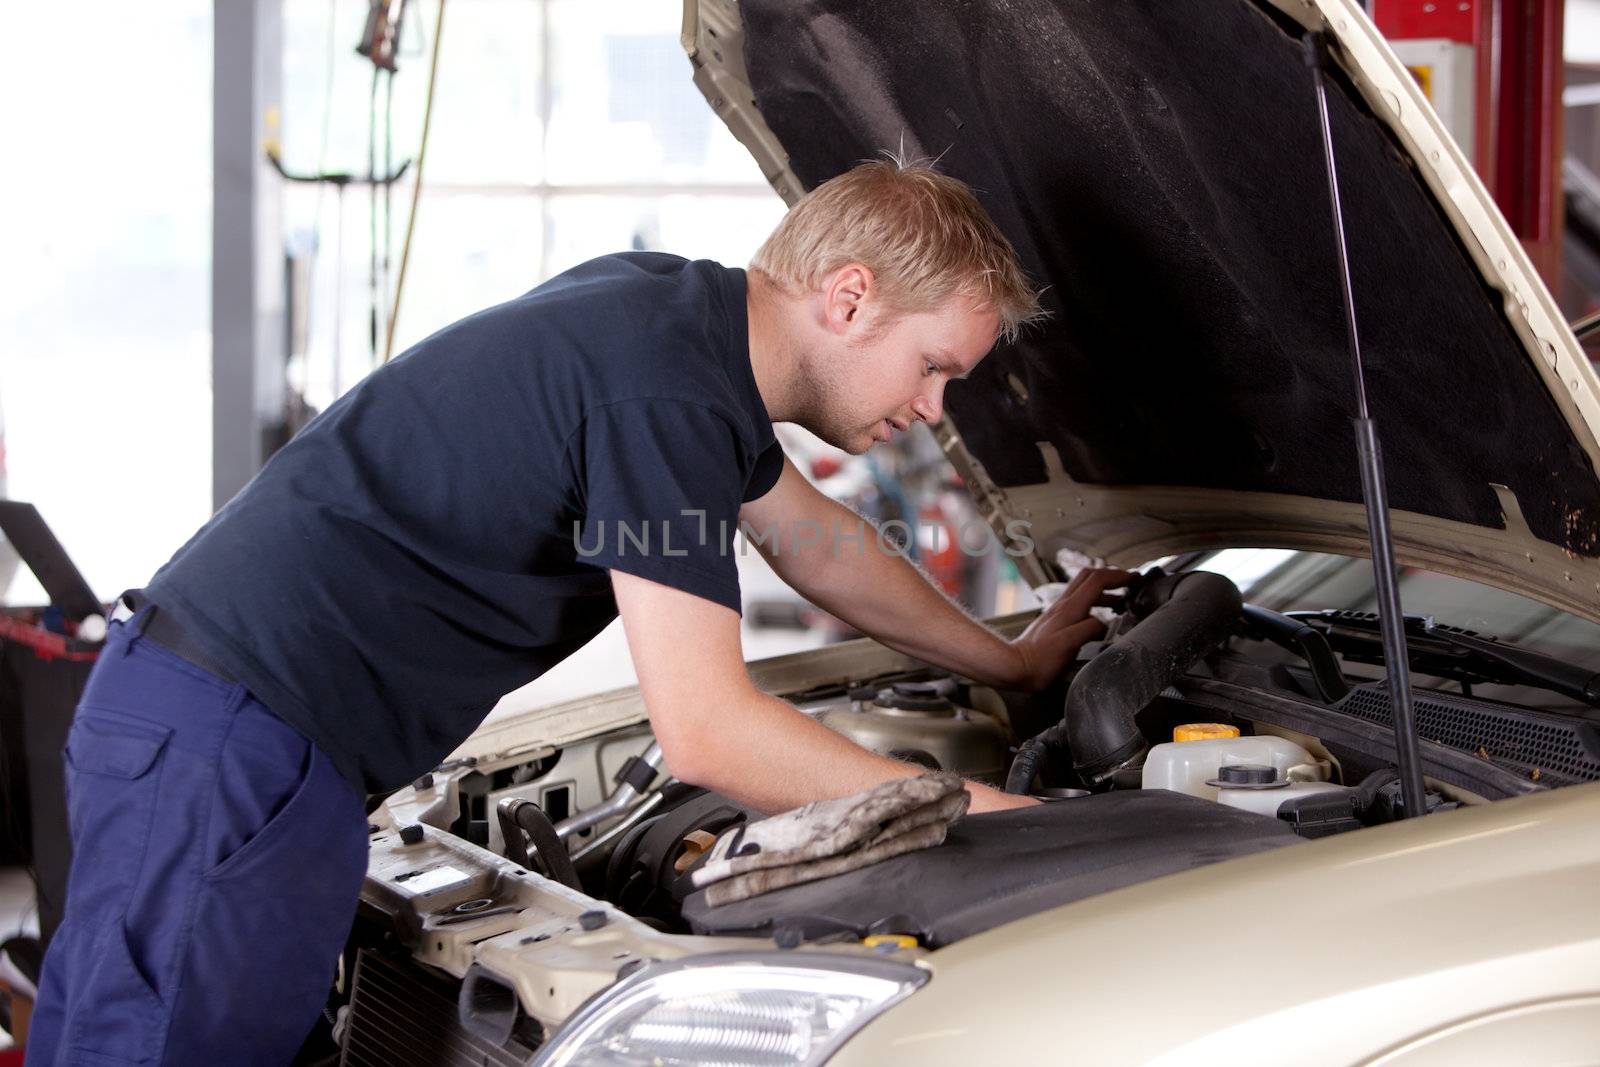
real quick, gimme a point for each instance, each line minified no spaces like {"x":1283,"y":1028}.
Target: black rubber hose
{"x":1183,"y":617}
{"x":516,"y":844}
{"x":1372,"y":783}
{"x":1026,"y":763}
{"x":1309,"y":644}
{"x":548,"y":848}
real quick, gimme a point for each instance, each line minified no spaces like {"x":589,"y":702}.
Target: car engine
{"x":537,"y":872}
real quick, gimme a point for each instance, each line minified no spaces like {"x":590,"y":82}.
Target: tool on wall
{"x":340,"y":180}
{"x":383,"y":33}
{"x":380,"y":43}
{"x":380,"y":40}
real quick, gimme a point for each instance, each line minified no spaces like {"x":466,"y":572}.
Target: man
{"x":454,"y":526}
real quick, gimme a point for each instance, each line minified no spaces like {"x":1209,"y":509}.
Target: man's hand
{"x":1052,"y":640}
{"x":988,"y":798}
{"x":884,"y":596}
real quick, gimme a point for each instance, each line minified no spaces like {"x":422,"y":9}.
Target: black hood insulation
{"x":1158,"y":166}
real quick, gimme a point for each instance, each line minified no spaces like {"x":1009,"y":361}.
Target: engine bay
{"x":537,"y":874}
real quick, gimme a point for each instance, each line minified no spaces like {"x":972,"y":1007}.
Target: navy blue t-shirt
{"x":442,"y":534}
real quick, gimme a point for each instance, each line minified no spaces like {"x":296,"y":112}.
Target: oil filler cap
{"x":1247,"y":776}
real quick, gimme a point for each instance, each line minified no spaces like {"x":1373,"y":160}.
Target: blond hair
{"x":923,"y":234}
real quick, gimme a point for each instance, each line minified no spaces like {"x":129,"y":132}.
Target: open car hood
{"x":1159,"y":168}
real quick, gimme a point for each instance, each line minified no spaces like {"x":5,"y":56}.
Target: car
{"x":1231,"y":866}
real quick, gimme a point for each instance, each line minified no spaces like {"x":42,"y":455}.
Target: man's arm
{"x":718,"y":731}
{"x":882,"y":594}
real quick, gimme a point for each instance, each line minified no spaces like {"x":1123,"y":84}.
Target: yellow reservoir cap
{"x":1203,"y":731}
{"x":894,"y":940}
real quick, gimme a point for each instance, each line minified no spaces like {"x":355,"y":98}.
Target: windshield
{"x":1304,"y":581}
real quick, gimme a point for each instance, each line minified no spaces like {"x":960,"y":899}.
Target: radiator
{"x":404,"y":1015}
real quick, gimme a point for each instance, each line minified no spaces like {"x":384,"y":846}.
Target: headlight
{"x":742,"y":1010}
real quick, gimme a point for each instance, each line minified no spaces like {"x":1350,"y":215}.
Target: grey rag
{"x":830,"y":837}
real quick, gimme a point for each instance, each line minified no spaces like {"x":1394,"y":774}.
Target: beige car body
{"x":1466,"y":938}
{"x":1469,"y":938}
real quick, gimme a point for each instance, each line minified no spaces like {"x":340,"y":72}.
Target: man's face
{"x":889,"y":370}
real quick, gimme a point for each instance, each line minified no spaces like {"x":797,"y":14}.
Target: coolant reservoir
{"x":1184,"y":766}
{"x":1268,"y":801}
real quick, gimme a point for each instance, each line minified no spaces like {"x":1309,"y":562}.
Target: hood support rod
{"x":1374,"y":491}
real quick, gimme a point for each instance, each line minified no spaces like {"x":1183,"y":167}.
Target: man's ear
{"x":845,"y":296}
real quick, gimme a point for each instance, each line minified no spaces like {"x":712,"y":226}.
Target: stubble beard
{"x":823,"y":389}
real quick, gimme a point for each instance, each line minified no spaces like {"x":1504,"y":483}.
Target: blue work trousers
{"x":217,"y":859}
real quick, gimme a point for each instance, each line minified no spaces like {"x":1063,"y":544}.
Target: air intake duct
{"x":1182,"y":618}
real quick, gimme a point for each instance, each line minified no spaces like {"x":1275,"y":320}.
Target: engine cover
{"x":1001,"y":866}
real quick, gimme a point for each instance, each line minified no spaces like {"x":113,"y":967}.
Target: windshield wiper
{"x":1452,"y":652}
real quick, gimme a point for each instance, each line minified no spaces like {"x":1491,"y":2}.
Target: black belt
{"x":163,"y":628}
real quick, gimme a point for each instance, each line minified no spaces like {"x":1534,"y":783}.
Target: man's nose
{"x":929,"y":406}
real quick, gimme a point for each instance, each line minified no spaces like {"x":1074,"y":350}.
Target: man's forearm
{"x":769,"y":755}
{"x":904,"y":610}
{"x":718,"y":731}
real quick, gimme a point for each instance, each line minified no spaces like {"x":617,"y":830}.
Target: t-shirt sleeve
{"x":661,"y":482}
{"x":768,"y":468}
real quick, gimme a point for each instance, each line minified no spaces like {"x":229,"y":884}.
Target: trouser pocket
{"x":270,"y":921}
{"x":113,"y":772}
{"x":114,"y":764}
